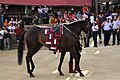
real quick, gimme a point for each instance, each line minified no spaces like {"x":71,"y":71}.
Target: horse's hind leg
{"x":31,"y":52}
{"x":76,"y":56}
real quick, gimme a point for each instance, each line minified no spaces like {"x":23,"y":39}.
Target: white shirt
{"x":84,"y":16}
{"x":107,"y":26}
{"x":12,"y":22}
{"x":91,"y":19}
{"x":1,"y":34}
{"x":46,"y":10}
{"x":12,"y":28}
{"x":116,"y":24}
{"x":95,"y":28}
{"x":40,"y":10}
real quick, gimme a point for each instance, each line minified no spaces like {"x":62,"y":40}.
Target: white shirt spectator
{"x":107,"y":25}
{"x":40,"y":10}
{"x":91,"y":19}
{"x":84,"y":16}
{"x":46,"y":9}
{"x":95,"y":28}
{"x":12,"y":22}
{"x":116,"y":24}
{"x":12,"y":28}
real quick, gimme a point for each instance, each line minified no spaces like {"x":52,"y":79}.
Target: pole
{"x":96,"y":6}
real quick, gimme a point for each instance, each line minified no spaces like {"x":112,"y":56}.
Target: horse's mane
{"x":74,"y":22}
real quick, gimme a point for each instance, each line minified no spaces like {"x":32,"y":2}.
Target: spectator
{"x":18,"y":32}
{"x":21,"y":23}
{"x":7,"y":38}
{"x":92,"y":18}
{"x":36,"y":20}
{"x":99,"y":30}
{"x":60,"y":14}
{"x":6,"y":23}
{"x":16,"y":22}
{"x":62,"y":20}
{"x":45,"y":17}
{"x":12,"y":21}
{"x":52,"y":19}
{"x":84,"y":16}
{"x":116,"y":24}
{"x":2,"y":12}
{"x":107,"y":31}
{"x":11,"y":28}
{"x":78,"y":15}
{"x":65,"y":15}
{"x":46,"y":9}
{"x":40,"y":11}
{"x":74,"y":17}
{"x":95,"y":31}
{"x":1,"y":38}
{"x":85,"y":9}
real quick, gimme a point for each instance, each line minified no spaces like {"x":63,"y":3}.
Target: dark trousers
{"x":115,"y":33}
{"x":99,"y":33}
{"x":1,"y":44}
{"x":1,"y":21}
{"x":106,"y":37}
{"x":95,"y":38}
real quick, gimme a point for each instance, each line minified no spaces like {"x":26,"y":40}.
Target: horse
{"x":34,"y":38}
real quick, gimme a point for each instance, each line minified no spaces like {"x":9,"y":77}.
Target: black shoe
{"x":100,"y":42}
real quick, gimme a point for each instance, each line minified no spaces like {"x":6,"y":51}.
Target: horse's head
{"x":78,"y":26}
{"x":84,"y":26}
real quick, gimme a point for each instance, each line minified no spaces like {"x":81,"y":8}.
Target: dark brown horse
{"x":34,"y":39}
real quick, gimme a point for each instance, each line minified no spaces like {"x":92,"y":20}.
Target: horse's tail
{"x":20,"y":48}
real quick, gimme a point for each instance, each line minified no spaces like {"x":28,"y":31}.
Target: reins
{"x":70,"y":31}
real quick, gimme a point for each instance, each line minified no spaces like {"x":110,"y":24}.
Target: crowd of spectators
{"x":108,"y":23}
{"x":12,"y":27}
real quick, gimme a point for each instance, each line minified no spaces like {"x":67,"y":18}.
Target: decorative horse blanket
{"x":53,"y":37}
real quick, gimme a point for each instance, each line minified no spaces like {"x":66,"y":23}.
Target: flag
{"x":27,"y":11}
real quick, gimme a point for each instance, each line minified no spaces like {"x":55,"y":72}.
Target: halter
{"x":70,"y":31}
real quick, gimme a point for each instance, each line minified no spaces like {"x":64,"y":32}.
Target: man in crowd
{"x":116,"y":25}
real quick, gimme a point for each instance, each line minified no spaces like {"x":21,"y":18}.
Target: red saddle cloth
{"x":53,"y":37}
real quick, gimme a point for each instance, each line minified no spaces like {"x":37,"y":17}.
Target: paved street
{"x":102,"y":63}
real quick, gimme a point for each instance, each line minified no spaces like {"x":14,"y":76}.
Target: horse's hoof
{"x":81,"y":75}
{"x":61,"y":74}
{"x":32,"y":76}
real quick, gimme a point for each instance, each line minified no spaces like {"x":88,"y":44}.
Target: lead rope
{"x":70,"y":31}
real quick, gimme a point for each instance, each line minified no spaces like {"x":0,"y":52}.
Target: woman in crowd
{"x":95,"y":32}
{"x":7,"y":38}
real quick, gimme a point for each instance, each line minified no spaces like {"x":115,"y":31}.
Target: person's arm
{"x":111,"y":25}
{"x":118,"y":30}
{"x":102,"y":24}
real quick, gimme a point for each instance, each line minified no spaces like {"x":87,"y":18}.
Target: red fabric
{"x":49,"y":2}
{"x":85,"y":8}
{"x":18,"y":31}
{"x":99,"y":24}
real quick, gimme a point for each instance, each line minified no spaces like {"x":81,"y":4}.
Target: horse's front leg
{"x":79,"y":69}
{"x":60,"y":63}
{"x":76,"y":55}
